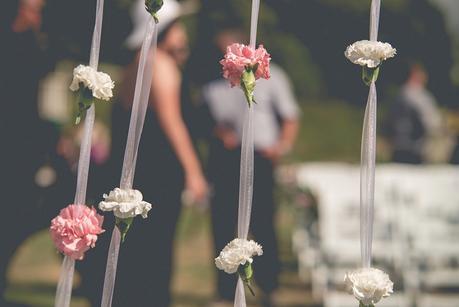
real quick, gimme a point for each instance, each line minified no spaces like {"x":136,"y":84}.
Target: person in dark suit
{"x":413,"y":118}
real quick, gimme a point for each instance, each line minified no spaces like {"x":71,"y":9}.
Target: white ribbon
{"x":246,"y":168}
{"x":246,"y":177}
{"x":64,"y":286}
{"x":374,"y":19}
{"x":110,"y":270}
{"x":368,"y":156}
{"x":139,"y":109}
{"x":367,"y":177}
{"x":140,"y":104}
{"x":254,"y":23}
{"x":239,"y":300}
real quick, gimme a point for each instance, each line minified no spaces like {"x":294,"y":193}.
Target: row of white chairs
{"x":416,"y":230}
{"x":340,"y":299}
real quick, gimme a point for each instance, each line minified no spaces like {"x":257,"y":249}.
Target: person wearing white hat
{"x":167,"y":164}
{"x":168,"y":14}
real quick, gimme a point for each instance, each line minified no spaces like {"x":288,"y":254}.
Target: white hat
{"x":170,"y":11}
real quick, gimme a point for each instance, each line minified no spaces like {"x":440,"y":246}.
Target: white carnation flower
{"x":125,"y":204}
{"x":368,"y":285}
{"x":237,"y":252}
{"x":98,"y":82}
{"x":82,"y":74}
{"x":369,"y":53}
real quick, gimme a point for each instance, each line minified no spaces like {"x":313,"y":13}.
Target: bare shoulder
{"x":165,"y":65}
{"x":166,"y":74}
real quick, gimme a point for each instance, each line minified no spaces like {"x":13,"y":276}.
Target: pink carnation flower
{"x":240,"y":57}
{"x":75,"y":230}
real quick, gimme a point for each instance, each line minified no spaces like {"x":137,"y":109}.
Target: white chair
{"x":426,"y":204}
{"x":415,"y":231}
{"x":337,"y":189}
{"x":434,"y":234}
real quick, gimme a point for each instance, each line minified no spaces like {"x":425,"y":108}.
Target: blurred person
{"x":275,"y":129}
{"x":414,"y":118}
{"x":167,"y":163}
{"x":24,"y":61}
{"x":35,"y":180}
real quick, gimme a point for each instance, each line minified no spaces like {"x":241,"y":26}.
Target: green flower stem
{"x":123,"y":226}
{"x":246,"y":273}
{"x":370,"y":75}
{"x":362,"y":305}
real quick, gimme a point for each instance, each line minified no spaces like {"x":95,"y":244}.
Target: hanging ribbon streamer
{"x":246,"y":177}
{"x":374,"y":19}
{"x":139,"y":108}
{"x":246,"y":168}
{"x":140,"y":104}
{"x":367,"y":177}
{"x":245,"y":194}
{"x":64,"y":286}
{"x":369,"y":285}
{"x":368,"y":156}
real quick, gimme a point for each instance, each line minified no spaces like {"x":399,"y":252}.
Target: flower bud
{"x":370,"y":75}
{"x":248,"y":85}
{"x":153,"y":6}
{"x":245,"y":271}
{"x":123,"y":226}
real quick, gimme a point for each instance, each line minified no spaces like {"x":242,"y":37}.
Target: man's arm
{"x":286,"y":106}
{"x":288,"y":134}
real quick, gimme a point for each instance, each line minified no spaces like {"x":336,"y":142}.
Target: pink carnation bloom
{"x":75,"y":230}
{"x":239,"y":57}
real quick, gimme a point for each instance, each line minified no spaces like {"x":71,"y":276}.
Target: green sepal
{"x":123,"y":226}
{"x":362,"y":305}
{"x":152,"y":7}
{"x":370,"y":74}
{"x":248,"y":84}
{"x":85,"y":100}
{"x":245,"y":271}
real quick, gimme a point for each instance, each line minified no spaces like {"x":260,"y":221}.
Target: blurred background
{"x":317,"y":190}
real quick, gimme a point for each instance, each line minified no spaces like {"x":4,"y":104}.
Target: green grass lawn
{"x":330,"y":131}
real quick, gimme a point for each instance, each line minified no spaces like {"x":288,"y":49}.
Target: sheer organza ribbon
{"x":64,"y":286}
{"x":368,"y":155}
{"x":246,"y":167}
{"x":139,"y":108}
